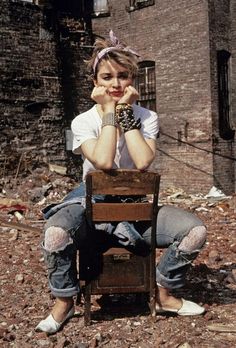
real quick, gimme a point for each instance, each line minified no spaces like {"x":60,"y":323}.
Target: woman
{"x":116,"y":133}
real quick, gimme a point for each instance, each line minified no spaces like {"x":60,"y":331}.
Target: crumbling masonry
{"x":192,"y":45}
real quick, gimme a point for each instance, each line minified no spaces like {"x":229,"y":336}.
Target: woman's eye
{"x":124,"y":76}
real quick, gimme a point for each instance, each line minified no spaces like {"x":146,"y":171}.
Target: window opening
{"x":225,"y":128}
{"x":100,"y":7}
{"x":145,"y":83}
{"x":138,"y":4}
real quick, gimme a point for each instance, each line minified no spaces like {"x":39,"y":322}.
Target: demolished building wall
{"x":44,"y":84}
{"x":31,"y":96}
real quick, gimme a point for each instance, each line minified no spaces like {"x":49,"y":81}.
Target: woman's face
{"x":114,"y":77}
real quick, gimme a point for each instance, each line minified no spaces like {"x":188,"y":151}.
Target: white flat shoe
{"x":50,"y":325}
{"x":188,"y":308}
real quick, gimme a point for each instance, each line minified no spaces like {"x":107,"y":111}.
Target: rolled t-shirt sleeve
{"x":82,"y":130}
{"x":150,"y":124}
{"x":151,"y":127}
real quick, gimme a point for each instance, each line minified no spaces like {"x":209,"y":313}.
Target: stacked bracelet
{"x":125,"y":118}
{"x":109,"y":119}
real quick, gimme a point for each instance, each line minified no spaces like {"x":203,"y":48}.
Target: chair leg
{"x":152,"y":303}
{"x":87,"y":304}
{"x":152,"y":294}
{"x":78,"y":299}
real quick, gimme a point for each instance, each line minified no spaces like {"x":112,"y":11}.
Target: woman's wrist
{"x":125,"y":117}
{"x":109,"y":119}
{"x":108,"y":107}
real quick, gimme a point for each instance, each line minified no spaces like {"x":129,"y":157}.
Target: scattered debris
{"x":14,"y":235}
{"x":215,"y":193}
{"x":11,"y":205}
{"x":117,"y":321}
{"x":18,"y":226}
{"x":57,"y":169}
{"x":221,"y":328}
{"x":19,"y":278}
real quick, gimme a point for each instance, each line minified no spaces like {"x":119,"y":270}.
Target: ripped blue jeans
{"x":173,"y":224}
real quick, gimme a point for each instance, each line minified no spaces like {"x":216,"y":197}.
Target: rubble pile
{"x":118,"y":321}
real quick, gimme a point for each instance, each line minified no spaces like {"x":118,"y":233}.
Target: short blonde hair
{"x":122,"y":57}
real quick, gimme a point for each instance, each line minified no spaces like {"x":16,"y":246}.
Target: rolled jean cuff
{"x":168,"y":283}
{"x":65,"y":292}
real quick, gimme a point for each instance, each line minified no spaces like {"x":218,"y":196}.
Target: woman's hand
{"x":100,"y":96}
{"x":130,"y":96}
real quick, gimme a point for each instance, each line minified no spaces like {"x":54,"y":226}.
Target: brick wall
{"x":233,"y":77}
{"x":76,"y":82}
{"x":43,"y":85}
{"x":31,"y":99}
{"x":221,"y":30}
{"x":176,"y":35}
{"x":74,"y":48}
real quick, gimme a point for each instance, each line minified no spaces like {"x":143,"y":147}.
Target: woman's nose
{"x":116,"y":82}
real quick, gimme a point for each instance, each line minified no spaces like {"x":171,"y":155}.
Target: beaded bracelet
{"x":125,"y":118}
{"x":109,"y":119}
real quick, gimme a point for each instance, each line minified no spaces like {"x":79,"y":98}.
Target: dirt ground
{"x":117,"y":321}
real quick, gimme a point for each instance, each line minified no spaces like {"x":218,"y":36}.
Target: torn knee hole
{"x":56,"y":239}
{"x":194,"y":240}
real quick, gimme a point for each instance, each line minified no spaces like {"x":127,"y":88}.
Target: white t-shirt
{"x":88,"y":126}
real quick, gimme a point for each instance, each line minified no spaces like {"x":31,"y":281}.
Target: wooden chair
{"x":121,"y":271}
